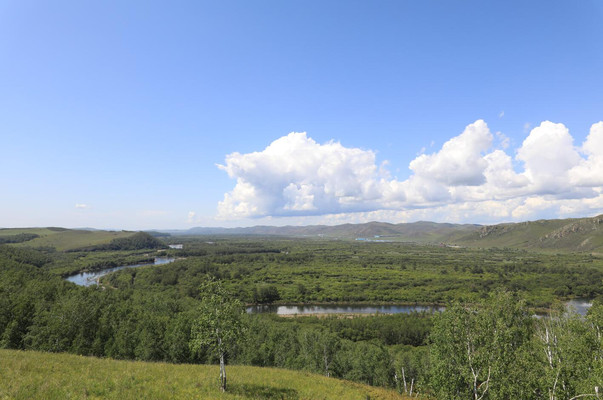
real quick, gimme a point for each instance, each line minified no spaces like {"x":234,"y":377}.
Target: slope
{"x":580,"y":234}
{"x":65,"y":239}
{"x":32,"y":375}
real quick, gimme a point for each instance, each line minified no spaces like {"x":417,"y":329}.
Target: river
{"x":340,"y":309}
{"x":91,"y":278}
{"x":581,"y":306}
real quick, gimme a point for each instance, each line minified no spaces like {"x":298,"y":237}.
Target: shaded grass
{"x":34,"y":375}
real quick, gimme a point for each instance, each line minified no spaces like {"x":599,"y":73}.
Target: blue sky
{"x":138,"y":114}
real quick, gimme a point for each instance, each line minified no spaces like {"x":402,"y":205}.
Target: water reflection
{"x":91,"y":278}
{"x":340,"y":309}
{"x":581,"y":306}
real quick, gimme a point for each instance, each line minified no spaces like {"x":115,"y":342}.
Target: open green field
{"x":33,"y":375}
{"x":64,"y":239}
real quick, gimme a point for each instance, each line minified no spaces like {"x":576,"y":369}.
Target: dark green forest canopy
{"x":138,"y":241}
{"x":18,"y":238}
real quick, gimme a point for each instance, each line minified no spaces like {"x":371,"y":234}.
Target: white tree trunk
{"x":222,"y":373}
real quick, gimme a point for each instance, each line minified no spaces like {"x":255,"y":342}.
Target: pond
{"x":340,"y":309}
{"x":91,"y":278}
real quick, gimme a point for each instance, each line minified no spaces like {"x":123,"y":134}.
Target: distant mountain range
{"x":577,"y":234}
{"x":420,"y":232}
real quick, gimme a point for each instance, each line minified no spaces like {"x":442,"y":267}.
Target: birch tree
{"x":570,"y":353}
{"x":475,"y":349}
{"x":219,"y":324}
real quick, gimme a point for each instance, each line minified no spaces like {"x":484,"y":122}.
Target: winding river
{"x":91,"y":278}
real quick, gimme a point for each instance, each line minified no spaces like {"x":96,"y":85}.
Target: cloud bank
{"x":468,"y":179}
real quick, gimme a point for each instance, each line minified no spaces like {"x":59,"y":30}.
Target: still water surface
{"x":340,"y":309}
{"x":91,"y":278}
{"x":581,"y":306}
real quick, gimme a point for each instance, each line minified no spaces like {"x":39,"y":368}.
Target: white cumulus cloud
{"x":460,"y":161}
{"x":296,"y":175}
{"x":589,"y":172}
{"x":469,"y":178}
{"x":548,"y":154}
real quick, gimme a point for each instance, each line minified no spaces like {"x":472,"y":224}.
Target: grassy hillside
{"x":33,"y":375}
{"x":65,"y":239}
{"x":582,"y":234}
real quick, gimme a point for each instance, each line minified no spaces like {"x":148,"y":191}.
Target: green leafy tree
{"x":219,"y":324}
{"x":475,"y":351}
{"x":572,"y":352}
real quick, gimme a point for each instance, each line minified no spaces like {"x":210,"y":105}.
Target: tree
{"x":318,"y":350}
{"x":570,"y":350}
{"x":219,"y":324}
{"x":266,"y":294}
{"x":475,"y":351}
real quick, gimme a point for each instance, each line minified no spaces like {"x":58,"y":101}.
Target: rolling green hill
{"x":34,"y":375}
{"x":65,"y":239}
{"x":580,"y":234}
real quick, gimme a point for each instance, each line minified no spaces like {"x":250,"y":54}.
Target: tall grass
{"x":34,"y":375}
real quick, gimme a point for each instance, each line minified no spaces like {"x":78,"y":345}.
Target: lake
{"x":91,"y":278}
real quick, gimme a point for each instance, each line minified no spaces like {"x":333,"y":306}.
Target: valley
{"x":393,"y":301}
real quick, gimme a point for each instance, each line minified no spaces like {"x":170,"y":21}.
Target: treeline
{"x":24,"y":256}
{"x":18,"y":238}
{"x":138,"y":241}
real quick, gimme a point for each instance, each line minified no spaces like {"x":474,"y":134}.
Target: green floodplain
{"x":487,"y":343}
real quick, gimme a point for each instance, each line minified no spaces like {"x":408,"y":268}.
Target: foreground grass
{"x":34,"y":375}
